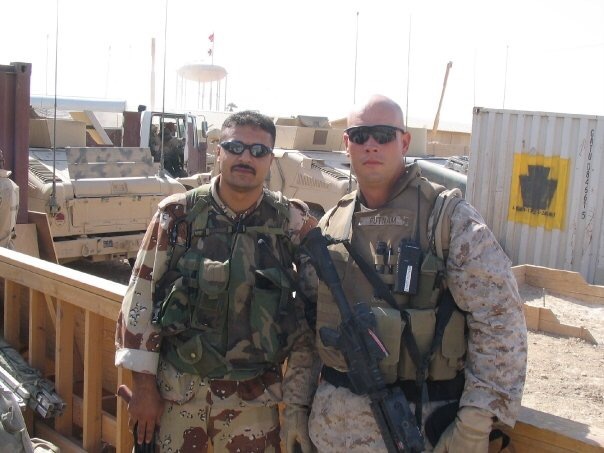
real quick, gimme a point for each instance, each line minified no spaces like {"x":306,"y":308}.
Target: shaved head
{"x":377,"y":109}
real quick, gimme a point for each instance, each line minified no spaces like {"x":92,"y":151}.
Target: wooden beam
{"x":37,"y":330}
{"x":66,"y":444}
{"x":51,"y":304}
{"x":107,"y":422}
{"x":544,"y":320}
{"x":124,"y":440}
{"x":64,"y":364}
{"x":538,"y":431}
{"x":12,"y":317}
{"x":89,"y":292}
{"x":23,"y":268}
{"x":93,"y":373}
{"x":96,"y":131}
{"x":564,"y":282}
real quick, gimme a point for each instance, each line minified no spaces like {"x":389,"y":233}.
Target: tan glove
{"x":295,"y":428}
{"x":469,"y":433}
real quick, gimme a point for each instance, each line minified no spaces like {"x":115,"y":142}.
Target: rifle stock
{"x":362,"y":349}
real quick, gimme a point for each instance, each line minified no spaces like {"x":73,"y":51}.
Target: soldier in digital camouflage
{"x":463,"y":373}
{"x":209,"y":318}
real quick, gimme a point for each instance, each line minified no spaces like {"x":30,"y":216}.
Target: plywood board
{"x":46,"y":246}
{"x":544,"y":320}
{"x":26,"y":240}
{"x":560,"y":281}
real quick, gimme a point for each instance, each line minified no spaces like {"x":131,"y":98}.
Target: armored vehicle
{"x":98,"y":201}
{"x":310,"y":163}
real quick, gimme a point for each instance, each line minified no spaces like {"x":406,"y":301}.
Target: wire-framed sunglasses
{"x":381,"y":133}
{"x":236,"y":147}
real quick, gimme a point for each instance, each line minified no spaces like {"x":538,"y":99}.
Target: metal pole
{"x":356,"y":49}
{"x":408,"y":68}
{"x":226,"y":81}
{"x":505,"y":77}
{"x":163,"y":98}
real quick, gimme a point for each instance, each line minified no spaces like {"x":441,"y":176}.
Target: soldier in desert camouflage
{"x":207,"y":355}
{"x":474,"y":376}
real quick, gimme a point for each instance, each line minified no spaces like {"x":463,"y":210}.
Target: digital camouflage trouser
{"x":341,"y":421}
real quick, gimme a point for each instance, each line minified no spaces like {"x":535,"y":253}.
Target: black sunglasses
{"x":380,"y":133}
{"x":237,"y":147}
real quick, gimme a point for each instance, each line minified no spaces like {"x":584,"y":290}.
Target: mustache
{"x":243,"y":167}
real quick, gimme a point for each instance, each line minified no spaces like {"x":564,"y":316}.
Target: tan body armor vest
{"x":405,"y":216}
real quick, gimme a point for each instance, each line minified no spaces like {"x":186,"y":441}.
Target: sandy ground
{"x":565,"y":376}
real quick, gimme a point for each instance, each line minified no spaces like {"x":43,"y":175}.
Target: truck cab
{"x":177,"y":136}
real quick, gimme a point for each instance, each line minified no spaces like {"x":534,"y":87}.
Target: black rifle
{"x":362,"y":349}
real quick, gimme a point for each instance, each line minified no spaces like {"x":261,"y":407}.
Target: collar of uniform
{"x":411,"y":172}
{"x":4,"y":173}
{"x":228,"y":211}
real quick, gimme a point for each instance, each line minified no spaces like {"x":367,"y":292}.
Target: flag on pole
{"x":210,"y":52}
{"x":211,"y":37}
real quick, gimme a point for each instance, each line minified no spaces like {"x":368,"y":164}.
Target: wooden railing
{"x":63,"y":321}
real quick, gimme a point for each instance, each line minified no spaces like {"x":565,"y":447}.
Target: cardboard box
{"x":309,"y":138}
{"x":69,"y":133}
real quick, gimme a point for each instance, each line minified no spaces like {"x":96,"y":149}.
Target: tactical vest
{"x":230,"y":314}
{"x":377,"y":236}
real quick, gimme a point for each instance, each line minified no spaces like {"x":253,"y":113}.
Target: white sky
{"x":290,"y":58}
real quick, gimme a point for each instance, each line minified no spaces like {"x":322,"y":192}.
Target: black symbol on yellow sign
{"x":536,"y":189}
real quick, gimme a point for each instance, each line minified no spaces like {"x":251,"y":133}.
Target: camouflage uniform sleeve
{"x":483,"y":285}
{"x":137,"y":339}
{"x":300,"y":380}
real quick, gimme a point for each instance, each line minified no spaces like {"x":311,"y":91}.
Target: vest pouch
{"x":389,"y":329}
{"x":271,"y":293}
{"x":210,"y":307}
{"x":328,"y":315}
{"x":174,"y":314}
{"x":447,"y":359}
{"x":213,"y":277}
{"x":196,"y":356}
{"x":422,"y":327}
{"x":427,"y":293}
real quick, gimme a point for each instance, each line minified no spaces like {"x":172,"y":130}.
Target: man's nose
{"x":246,"y":155}
{"x":371,"y":144}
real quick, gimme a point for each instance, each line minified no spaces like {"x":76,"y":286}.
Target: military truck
{"x":98,"y":200}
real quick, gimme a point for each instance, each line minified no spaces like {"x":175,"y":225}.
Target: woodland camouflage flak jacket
{"x":240,"y":314}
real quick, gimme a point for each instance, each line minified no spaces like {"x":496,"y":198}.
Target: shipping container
{"x":537,"y":179}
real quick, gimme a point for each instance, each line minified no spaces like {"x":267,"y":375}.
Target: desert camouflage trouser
{"x":233,"y":416}
{"x":341,"y":421}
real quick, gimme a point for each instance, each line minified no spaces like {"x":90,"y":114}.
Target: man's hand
{"x":469,"y":433}
{"x":295,"y":428}
{"x":145,"y":407}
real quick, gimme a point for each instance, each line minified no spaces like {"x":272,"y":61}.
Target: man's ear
{"x":406,"y":141}
{"x":346,"y":141}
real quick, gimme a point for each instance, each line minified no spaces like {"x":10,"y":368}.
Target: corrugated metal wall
{"x":537,"y":179}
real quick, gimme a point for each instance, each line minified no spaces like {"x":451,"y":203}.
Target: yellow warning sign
{"x":538,"y":191}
